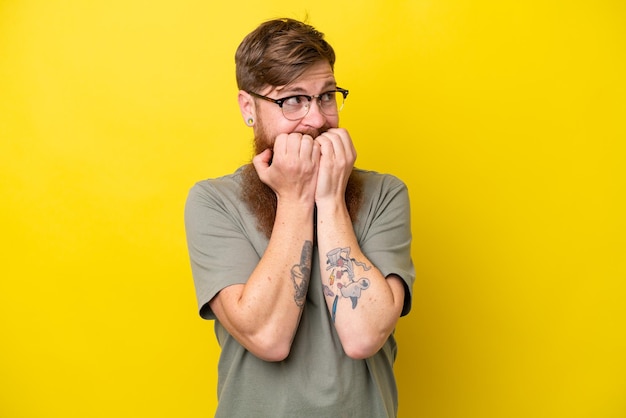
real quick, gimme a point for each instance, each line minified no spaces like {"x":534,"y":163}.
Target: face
{"x":269,"y":120}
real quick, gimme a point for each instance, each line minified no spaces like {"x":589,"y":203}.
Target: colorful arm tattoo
{"x":341,"y":265}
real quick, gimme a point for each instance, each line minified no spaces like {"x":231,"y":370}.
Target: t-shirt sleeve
{"x":386,"y":239}
{"x":220,"y":253}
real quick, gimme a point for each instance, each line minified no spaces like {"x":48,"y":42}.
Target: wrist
{"x":331,"y":206}
{"x":296,"y":207}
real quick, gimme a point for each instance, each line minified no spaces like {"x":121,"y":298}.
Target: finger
{"x":262,"y":160}
{"x":346,"y":141}
{"x":331,"y":145}
{"x":280,"y":144}
{"x":349,"y":151}
{"x":293,"y":143}
{"x":326,"y":145}
{"x":316,"y":153}
{"x":307,"y":146}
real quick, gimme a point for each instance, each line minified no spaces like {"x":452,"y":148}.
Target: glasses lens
{"x":331,"y":102}
{"x":297,"y":107}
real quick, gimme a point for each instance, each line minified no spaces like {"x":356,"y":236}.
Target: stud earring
{"x":250,"y":122}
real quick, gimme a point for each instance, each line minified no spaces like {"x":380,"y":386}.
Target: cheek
{"x":274,"y":123}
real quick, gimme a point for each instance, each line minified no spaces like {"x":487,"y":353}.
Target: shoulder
{"x":224,"y":188}
{"x":377,"y":177}
{"x":218,"y":199}
{"x":382,"y":197}
{"x":375,"y":183}
{"x":218,"y":184}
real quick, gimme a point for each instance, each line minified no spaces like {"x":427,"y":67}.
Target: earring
{"x":250,"y":121}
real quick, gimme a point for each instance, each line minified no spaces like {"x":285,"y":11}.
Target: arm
{"x":364,"y":305}
{"x":263,"y":314}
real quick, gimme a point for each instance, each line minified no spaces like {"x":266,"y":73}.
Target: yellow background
{"x":505,"y":119}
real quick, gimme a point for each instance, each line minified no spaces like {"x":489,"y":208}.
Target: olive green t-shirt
{"x":317,"y":379}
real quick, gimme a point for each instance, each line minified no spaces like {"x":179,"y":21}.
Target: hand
{"x":291,"y":169}
{"x":336,"y":163}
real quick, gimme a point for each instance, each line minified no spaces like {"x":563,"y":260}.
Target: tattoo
{"x":340,"y":263}
{"x":301,"y":273}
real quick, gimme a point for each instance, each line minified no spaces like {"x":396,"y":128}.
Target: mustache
{"x":313,"y":133}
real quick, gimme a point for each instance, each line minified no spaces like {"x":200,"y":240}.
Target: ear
{"x":246,"y":106}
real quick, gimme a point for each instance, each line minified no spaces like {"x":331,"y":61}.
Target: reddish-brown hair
{"x":278,"y":52}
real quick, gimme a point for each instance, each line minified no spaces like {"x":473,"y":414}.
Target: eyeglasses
{"x":297,"y":107}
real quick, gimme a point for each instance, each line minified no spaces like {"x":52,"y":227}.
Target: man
{"x":302,"y":260}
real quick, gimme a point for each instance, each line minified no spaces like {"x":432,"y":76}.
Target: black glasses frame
{"x":280,"y":102}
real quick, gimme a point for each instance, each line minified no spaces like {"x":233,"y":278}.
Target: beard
{"x":261,"y":199}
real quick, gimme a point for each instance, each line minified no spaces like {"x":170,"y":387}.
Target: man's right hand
{"x":291,"y":169}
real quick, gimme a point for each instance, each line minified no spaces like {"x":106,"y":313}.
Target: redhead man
{"x":302,"y":260}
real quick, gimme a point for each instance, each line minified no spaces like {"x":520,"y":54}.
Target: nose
{"x":314,"y":117}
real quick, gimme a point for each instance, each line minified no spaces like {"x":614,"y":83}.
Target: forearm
{"x":363,"y":304}
{"x":263,"y":314}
